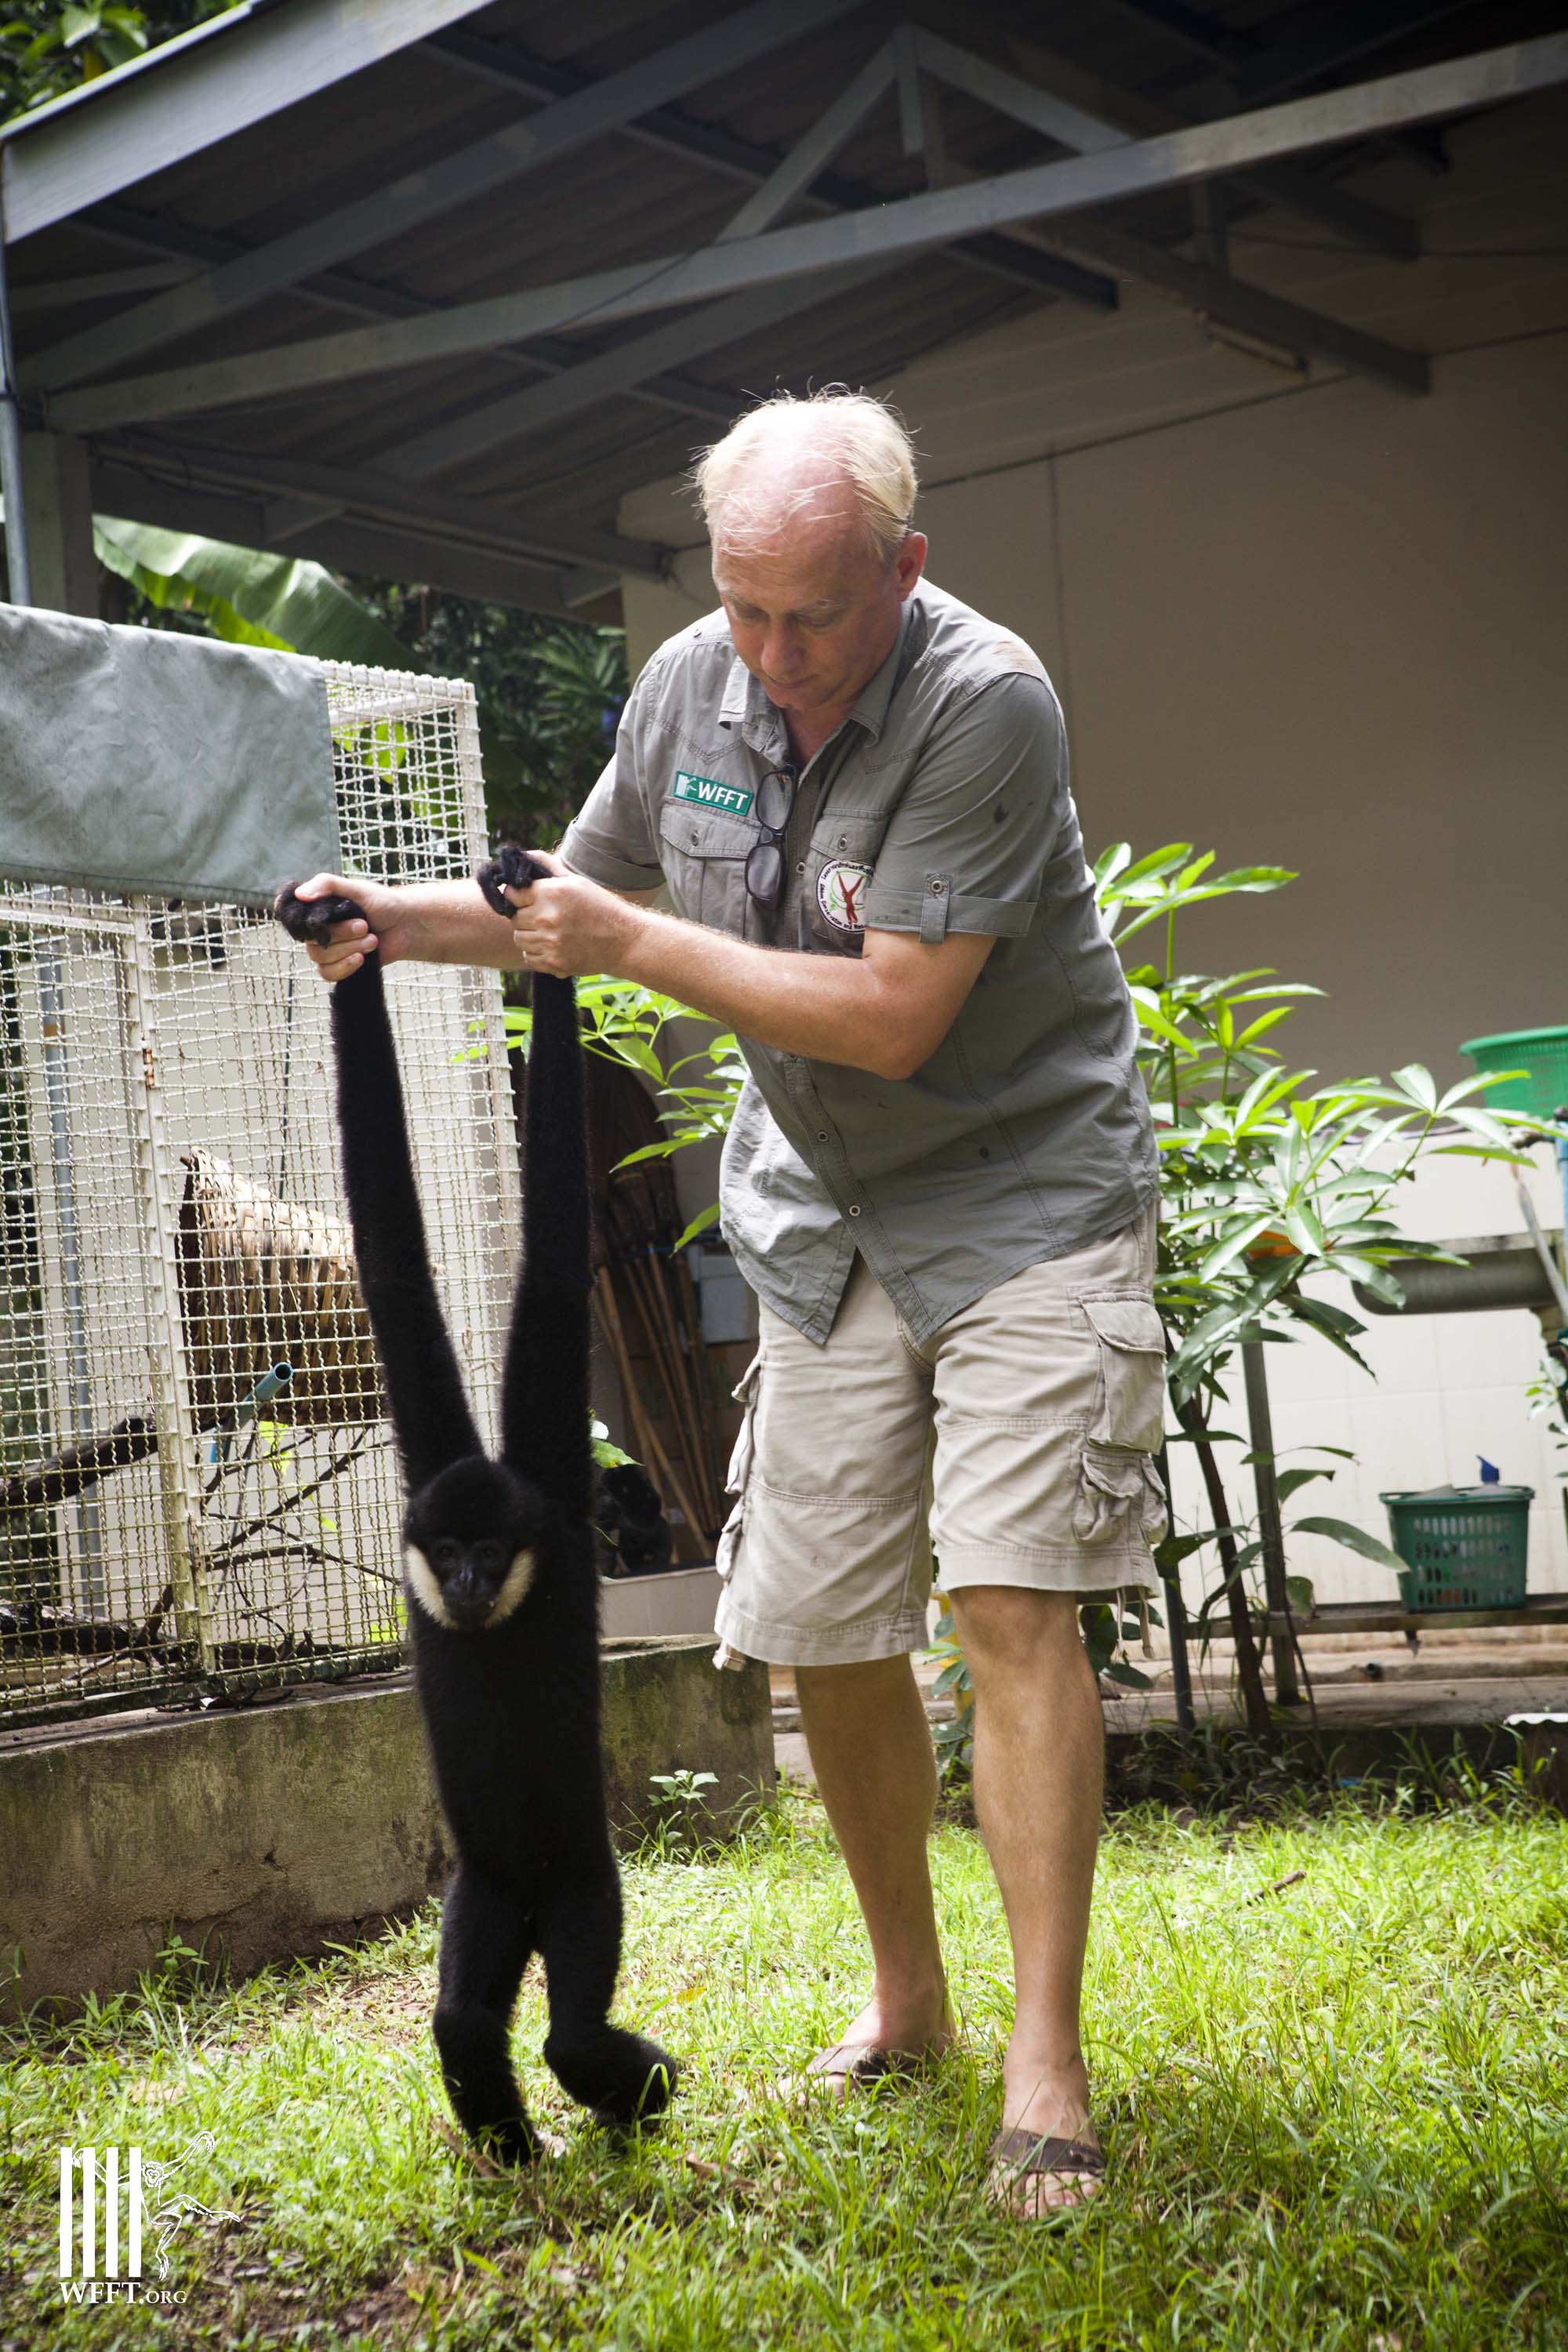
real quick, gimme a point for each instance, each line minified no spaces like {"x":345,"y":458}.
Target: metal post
{"x":489,"y":1076}
{"x":1260,"y":1425}
{"x":172,"y":1403}
{"x":57,"y":1094}
{"x":20,"y":570}
{"x":1176,"y":1616}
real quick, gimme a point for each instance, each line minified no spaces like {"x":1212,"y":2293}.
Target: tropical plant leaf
{"x":1353,"y":1539}
{"x":289,"y":601}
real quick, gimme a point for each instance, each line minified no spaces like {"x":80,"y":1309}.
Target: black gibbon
{"x":499,"y":1559}
{"x":637,"y":1541}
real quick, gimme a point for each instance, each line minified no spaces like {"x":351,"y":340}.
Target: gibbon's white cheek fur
{"x":425,"y":1587}
{"x":424,"y":1584}
{"x":519,"y":1577}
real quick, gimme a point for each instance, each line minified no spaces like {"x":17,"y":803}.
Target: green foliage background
{"x":46,"y":50}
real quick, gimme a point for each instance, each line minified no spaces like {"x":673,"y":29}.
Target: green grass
{"x":1336,"y":2115}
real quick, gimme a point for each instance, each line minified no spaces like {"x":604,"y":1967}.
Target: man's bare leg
{"x":1039,"y":1785}
{"x":871,"y":1752}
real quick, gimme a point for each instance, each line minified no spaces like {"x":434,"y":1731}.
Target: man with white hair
{"x":940,"y":1182}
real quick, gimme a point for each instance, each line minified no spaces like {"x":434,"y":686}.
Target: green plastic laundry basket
{"x":1466,"y":1546}
{"x":1541,"y":1054}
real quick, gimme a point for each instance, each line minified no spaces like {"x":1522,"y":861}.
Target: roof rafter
{"x":177,"y":501}
{"x":1280,"y":181}
{"x":471,"y":171}
{"x":338,"y":290}
{"x":1210,"y":290}
{"x":913,"y":224}
{"x":1338,"y":36}
{"x":624,"y":365}
{"x":666,"y":129}
{"x":1204,"y":285}
{"x":360,"y":491}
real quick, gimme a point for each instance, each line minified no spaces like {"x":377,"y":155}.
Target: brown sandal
{"x":856,"y":2064}
{"x":1018,"y":2157}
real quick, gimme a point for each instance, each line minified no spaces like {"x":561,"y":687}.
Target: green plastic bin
{"x":1541,"y":1054}
{"x":1466,"y":1546}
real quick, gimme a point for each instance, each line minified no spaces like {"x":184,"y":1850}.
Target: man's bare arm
{"x":886,"y":1011}
{"x":420,"y":922}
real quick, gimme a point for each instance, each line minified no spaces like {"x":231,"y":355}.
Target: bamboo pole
{"x":701,"y":1365}
{"x":659,"y":1318}
{"x":646,"y":1435}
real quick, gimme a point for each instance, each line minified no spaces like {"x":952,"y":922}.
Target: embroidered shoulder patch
{"x":841,"y":893}
{"x":729,"y":799}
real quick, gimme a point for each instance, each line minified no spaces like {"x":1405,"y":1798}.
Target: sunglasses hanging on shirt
{"x":765,"y":860}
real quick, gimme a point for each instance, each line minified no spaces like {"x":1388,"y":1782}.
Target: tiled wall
{"x":1448,"y":1388}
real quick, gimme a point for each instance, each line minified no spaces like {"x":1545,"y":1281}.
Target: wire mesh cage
{"x":198,"y":1493}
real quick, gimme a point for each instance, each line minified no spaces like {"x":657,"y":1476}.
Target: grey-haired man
{"x":940,"y":1184}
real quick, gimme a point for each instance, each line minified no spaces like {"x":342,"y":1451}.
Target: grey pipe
{"x":1502,"y":1270}
{"x":19,"y":566}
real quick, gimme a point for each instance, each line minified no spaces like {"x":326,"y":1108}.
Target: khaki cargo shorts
{"x":1016,"y":1443}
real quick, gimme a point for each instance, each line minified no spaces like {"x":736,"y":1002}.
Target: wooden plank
{"x":1391,"y":1617}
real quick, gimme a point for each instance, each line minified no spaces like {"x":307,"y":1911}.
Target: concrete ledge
{"x":260,"y":1833}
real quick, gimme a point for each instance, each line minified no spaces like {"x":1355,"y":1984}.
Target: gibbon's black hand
{"x":499,"y":1568}
{"x":511,"y":868}
{"x":312,"y":920}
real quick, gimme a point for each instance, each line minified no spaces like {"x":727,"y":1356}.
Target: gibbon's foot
{"x":515,"y":2142}
{"x":621,"y":2078}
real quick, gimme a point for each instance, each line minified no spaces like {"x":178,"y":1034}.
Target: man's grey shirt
{"x":942,"y":805}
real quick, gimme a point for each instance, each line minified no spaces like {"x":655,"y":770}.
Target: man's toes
{"x":1031,"y":2196}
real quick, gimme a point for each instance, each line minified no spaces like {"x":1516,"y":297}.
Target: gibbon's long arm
{"x":430,"y":1415}
{"x":544,"y":1385}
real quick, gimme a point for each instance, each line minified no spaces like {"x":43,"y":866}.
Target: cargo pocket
{"x":738,"y":1477}
{"x":704,"y":861}
{"x":1119,"y":1497}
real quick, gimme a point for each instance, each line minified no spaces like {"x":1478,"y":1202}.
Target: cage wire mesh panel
{"x":198,"y":1490}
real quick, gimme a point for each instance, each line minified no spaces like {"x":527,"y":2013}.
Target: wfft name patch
{"x":730,"y":800}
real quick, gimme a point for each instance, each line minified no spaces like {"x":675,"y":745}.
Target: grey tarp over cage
{"x":195,"y":1485}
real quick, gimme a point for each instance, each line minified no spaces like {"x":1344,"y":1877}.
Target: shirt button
{"x":937,"y":889}
{"x":822,"y":1135}
{"x":853,"y":1209}
{"x":842,"y":842}
{"x":801,"y":868}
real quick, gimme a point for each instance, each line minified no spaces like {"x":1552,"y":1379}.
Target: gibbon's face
{"x":469,"y":1540}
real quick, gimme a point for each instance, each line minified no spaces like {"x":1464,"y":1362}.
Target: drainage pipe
{"x":1501,"y":1270}
{"x":19,"y":570}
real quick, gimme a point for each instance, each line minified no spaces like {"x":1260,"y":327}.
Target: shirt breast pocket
{"x":838,"y":871}
{"x":704,"y":859}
